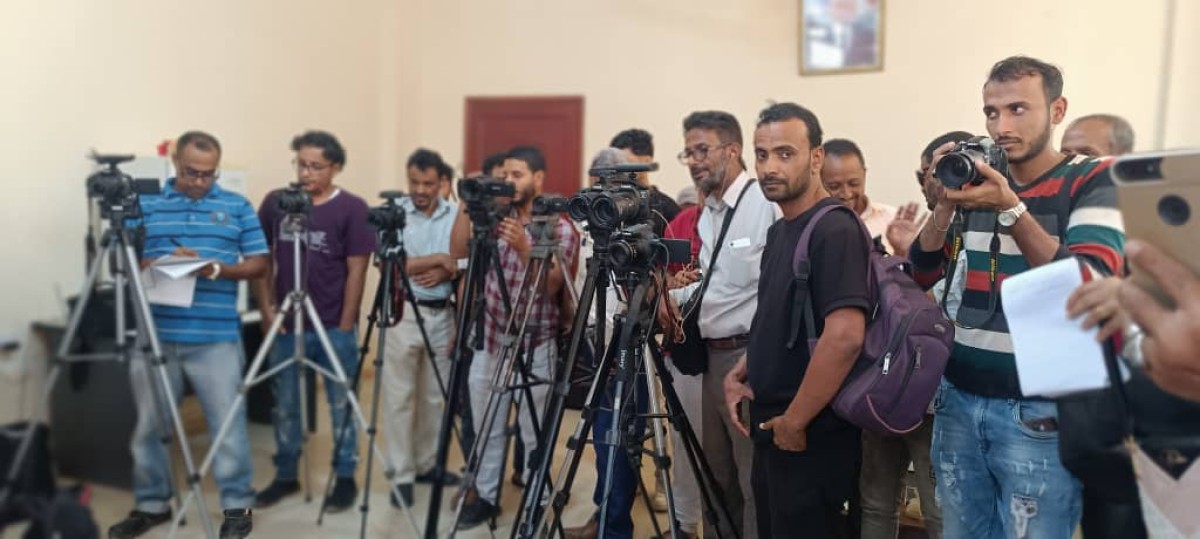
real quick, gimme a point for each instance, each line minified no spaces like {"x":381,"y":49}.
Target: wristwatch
{"x":1010,"y":216}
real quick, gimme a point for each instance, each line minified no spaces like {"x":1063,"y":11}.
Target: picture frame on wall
{"x":841,"y":36}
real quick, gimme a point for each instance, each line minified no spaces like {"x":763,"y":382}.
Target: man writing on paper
{"x":195,"y":217}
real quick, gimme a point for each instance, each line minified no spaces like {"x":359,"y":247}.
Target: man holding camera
{"x":525,"y":168}
{"x":338,"y":244}
{"x":996,"y":450}
{"x":413,"y":381}
{"x":195,"y":217}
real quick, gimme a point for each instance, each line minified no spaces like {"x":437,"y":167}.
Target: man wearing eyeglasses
{"x":339,"y":243}
{"x":195,"y":217}
{"x":713,"y":155}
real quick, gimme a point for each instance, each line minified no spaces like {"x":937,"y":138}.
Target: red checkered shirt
{"x":543,"y":317}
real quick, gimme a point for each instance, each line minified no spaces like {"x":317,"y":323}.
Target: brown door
{"x":553,"y":124}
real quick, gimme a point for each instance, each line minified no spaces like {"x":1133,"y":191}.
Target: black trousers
{"x":805,"y":495}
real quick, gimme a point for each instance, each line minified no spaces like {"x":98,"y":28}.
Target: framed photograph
{"x":841,"y":36}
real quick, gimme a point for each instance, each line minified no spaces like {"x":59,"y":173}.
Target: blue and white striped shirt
{"x":426,"y":235}
{"x":222,"y":226}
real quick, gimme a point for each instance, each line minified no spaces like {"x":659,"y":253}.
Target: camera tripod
{"x":515,"y":360}
{"x":625,"y":360}
{"x":119,"y":249}
{"x":297,"y":304}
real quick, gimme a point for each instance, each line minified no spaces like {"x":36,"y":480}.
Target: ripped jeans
{"x":998,"y":470}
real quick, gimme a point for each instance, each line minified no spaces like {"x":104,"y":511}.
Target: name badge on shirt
{"x":739,"y":243}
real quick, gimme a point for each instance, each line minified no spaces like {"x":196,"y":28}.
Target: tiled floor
{"x":295,"y":518}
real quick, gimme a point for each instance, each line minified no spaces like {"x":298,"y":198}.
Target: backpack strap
{"x":801,"y":312}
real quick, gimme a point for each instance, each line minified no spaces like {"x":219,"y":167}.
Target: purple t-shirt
{"x":337,"y":229}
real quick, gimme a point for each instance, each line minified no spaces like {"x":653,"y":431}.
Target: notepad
{"x":170,"y":280}
{"x":1054,"y":355}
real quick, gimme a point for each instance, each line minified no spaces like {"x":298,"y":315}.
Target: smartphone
{"x":1159,"y":196}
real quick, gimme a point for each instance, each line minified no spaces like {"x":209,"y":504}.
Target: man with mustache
{"x":713,"y":155}
{"x":996,"y":450}
{"x":413,"y":380}
{"x":1097,"y":135}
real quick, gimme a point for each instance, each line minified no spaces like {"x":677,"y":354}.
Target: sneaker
{"x":476,"y":513}
{"x":277,"y":490}
{"x":345,"y":490}
{"x":237,"y":524}
{"x":406,"y":494}
{"x":449,"y":479}
{"x":137,"y":523}
{"x":517,"y":480}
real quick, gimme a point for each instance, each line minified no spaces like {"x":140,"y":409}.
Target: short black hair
{"x":779,"y":112}
{"x":1120,"y":132}
{"x":425,"y":159}
{"x":493,"y":161}
{"x":331,"y":149}
{"x":638,"y":141}
{"x":445,"y":171}
{"x":843,"y":147}
{"x":200,"y":140}
{"x":531,"y":155}
{"x":1017,"y":67}
{"x":953,"y":136}
{"x":726,"y":126}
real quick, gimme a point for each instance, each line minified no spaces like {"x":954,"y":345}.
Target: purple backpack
{"x":907,"y":345}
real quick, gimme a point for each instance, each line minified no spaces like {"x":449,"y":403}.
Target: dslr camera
{"x":118,"y":192}
{"x":957,"y":168}
{"x":389,"y":215}
{"x":294,"y":200}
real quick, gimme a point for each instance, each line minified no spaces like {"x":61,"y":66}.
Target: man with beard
{"x":713,"y":155}
{"x":805,"y":456}
{"x":994,"y":449}
{"x":525,"y":168}
{"x":413,"y":380}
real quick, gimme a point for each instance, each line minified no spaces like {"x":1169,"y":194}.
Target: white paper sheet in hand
{"x":163,"y":290}
{"x":1055,"y":355}
{"x":179,"y":266}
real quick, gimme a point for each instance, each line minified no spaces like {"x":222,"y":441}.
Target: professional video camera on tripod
{"x":619,"y":218}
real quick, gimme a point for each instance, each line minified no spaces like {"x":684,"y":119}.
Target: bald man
{"x":1095,"y":135}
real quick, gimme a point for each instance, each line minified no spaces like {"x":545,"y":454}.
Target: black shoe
{"x":517,"y":480}
{"x":406,"y":494}
{"x":344,"y":493}
{"x":477,"y":513}
{"x":136,"y":524}
{"x":449,"y":479}
{"x":237,"y":525}
{"x":277,"y":490}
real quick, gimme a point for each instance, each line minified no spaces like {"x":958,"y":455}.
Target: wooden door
{"x":553,"y":124}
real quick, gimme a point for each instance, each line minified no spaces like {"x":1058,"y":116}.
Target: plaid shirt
{"x":543,"y":318}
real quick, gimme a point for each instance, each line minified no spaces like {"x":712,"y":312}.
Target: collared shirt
{"x":426,"y":235}
{"x":877,"y":217}
{"x":223,"y":226}
{"x":542,"y":324}
{"x":732,"y":296}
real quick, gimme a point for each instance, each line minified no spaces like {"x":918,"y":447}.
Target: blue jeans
{"x":215,"y":373}
{"x":625,"y":477}
{"x":286,"y":416}
{"x":998,"y":470}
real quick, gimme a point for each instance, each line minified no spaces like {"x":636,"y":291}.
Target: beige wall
{"x":387,"y":76}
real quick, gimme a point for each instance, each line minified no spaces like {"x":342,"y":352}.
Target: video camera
{"x":550,"y":205}
{"x":118,"y":192}
{"x":294,"y":200}
{"x":616,"y":201}
{"x":389,"y":215}
{"x":480,"y":194}
{"x":957,"y":168}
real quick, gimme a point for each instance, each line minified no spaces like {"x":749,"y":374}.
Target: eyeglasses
{"x":316,"y":168}
{"x":191,"y":174}
{"x":699,"y":153}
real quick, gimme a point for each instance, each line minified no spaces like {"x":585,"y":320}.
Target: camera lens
{"x":955,"y":170}
{"x":621,"y":254}
{"x":604,"y":211}
{"x":1174,"y":210}
{"x":1140,"y":169}
{"x":577,"y":207}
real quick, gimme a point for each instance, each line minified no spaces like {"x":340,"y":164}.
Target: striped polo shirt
{"x":223,"y":226}
{"x":1076,"y":204}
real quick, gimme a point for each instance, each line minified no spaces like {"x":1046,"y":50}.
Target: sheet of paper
{"x":179,"y":266}
{"x":1055,"y":355}
{"x":163,"y":290}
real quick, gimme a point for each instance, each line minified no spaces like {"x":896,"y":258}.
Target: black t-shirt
{"x":838,"y":254}
{"x":664,"y":205}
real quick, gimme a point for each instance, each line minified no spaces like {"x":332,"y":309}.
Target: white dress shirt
{"x":732,"y":296}
{"x":877,"y":217}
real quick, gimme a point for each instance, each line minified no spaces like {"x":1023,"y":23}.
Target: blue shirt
{"x":426,"y":235}
{"x":222,"y":226}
